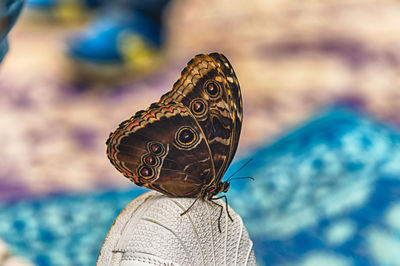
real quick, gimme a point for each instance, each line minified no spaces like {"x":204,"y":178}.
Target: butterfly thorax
{"x":213,"y":190}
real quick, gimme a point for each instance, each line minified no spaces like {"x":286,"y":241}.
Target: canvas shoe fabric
{"x":152,"y":231}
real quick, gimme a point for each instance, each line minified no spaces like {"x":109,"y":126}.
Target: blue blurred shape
{"x":9,"y":12}
{"x":326,"y":194}
{"x":101,"y":42}
{"x":61,"y":229}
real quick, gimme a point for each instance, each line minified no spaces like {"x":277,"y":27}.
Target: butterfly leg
{"x":191,"y":205}
{"x":226,"y":205}
{"x":220,"y":214}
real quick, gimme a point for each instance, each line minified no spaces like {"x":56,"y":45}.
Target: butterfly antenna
{"x":245,"y":177}
{"x":246,"y":163}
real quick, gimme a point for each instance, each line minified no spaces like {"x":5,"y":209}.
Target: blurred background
{"x":320,"y":84}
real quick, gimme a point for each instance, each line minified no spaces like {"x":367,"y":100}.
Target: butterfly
{"x":182,"y":145}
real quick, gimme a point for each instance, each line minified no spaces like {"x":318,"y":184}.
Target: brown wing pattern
{"x":209,"y":88}
{"x":163,"y":148}
{"x":182,"y":145}
{"x":234,"y":87}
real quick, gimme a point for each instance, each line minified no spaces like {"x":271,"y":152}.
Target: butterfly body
{"x":182,"y":145}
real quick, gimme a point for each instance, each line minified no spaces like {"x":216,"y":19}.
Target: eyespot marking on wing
{"x":186,"y":138}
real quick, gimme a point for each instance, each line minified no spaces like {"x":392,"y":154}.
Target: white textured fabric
{"x":151,"y":231}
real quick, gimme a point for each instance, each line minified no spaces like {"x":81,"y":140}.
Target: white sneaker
{"x":151,"y":231}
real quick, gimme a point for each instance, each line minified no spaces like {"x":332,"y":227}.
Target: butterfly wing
{"x":163,"y":148}
{"x":208,"y":87}
{"x":237,"y":104}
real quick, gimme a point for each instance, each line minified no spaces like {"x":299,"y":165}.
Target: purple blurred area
{"x":290,"y":59}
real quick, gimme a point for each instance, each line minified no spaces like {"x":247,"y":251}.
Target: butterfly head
{"x":224,"y":187}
